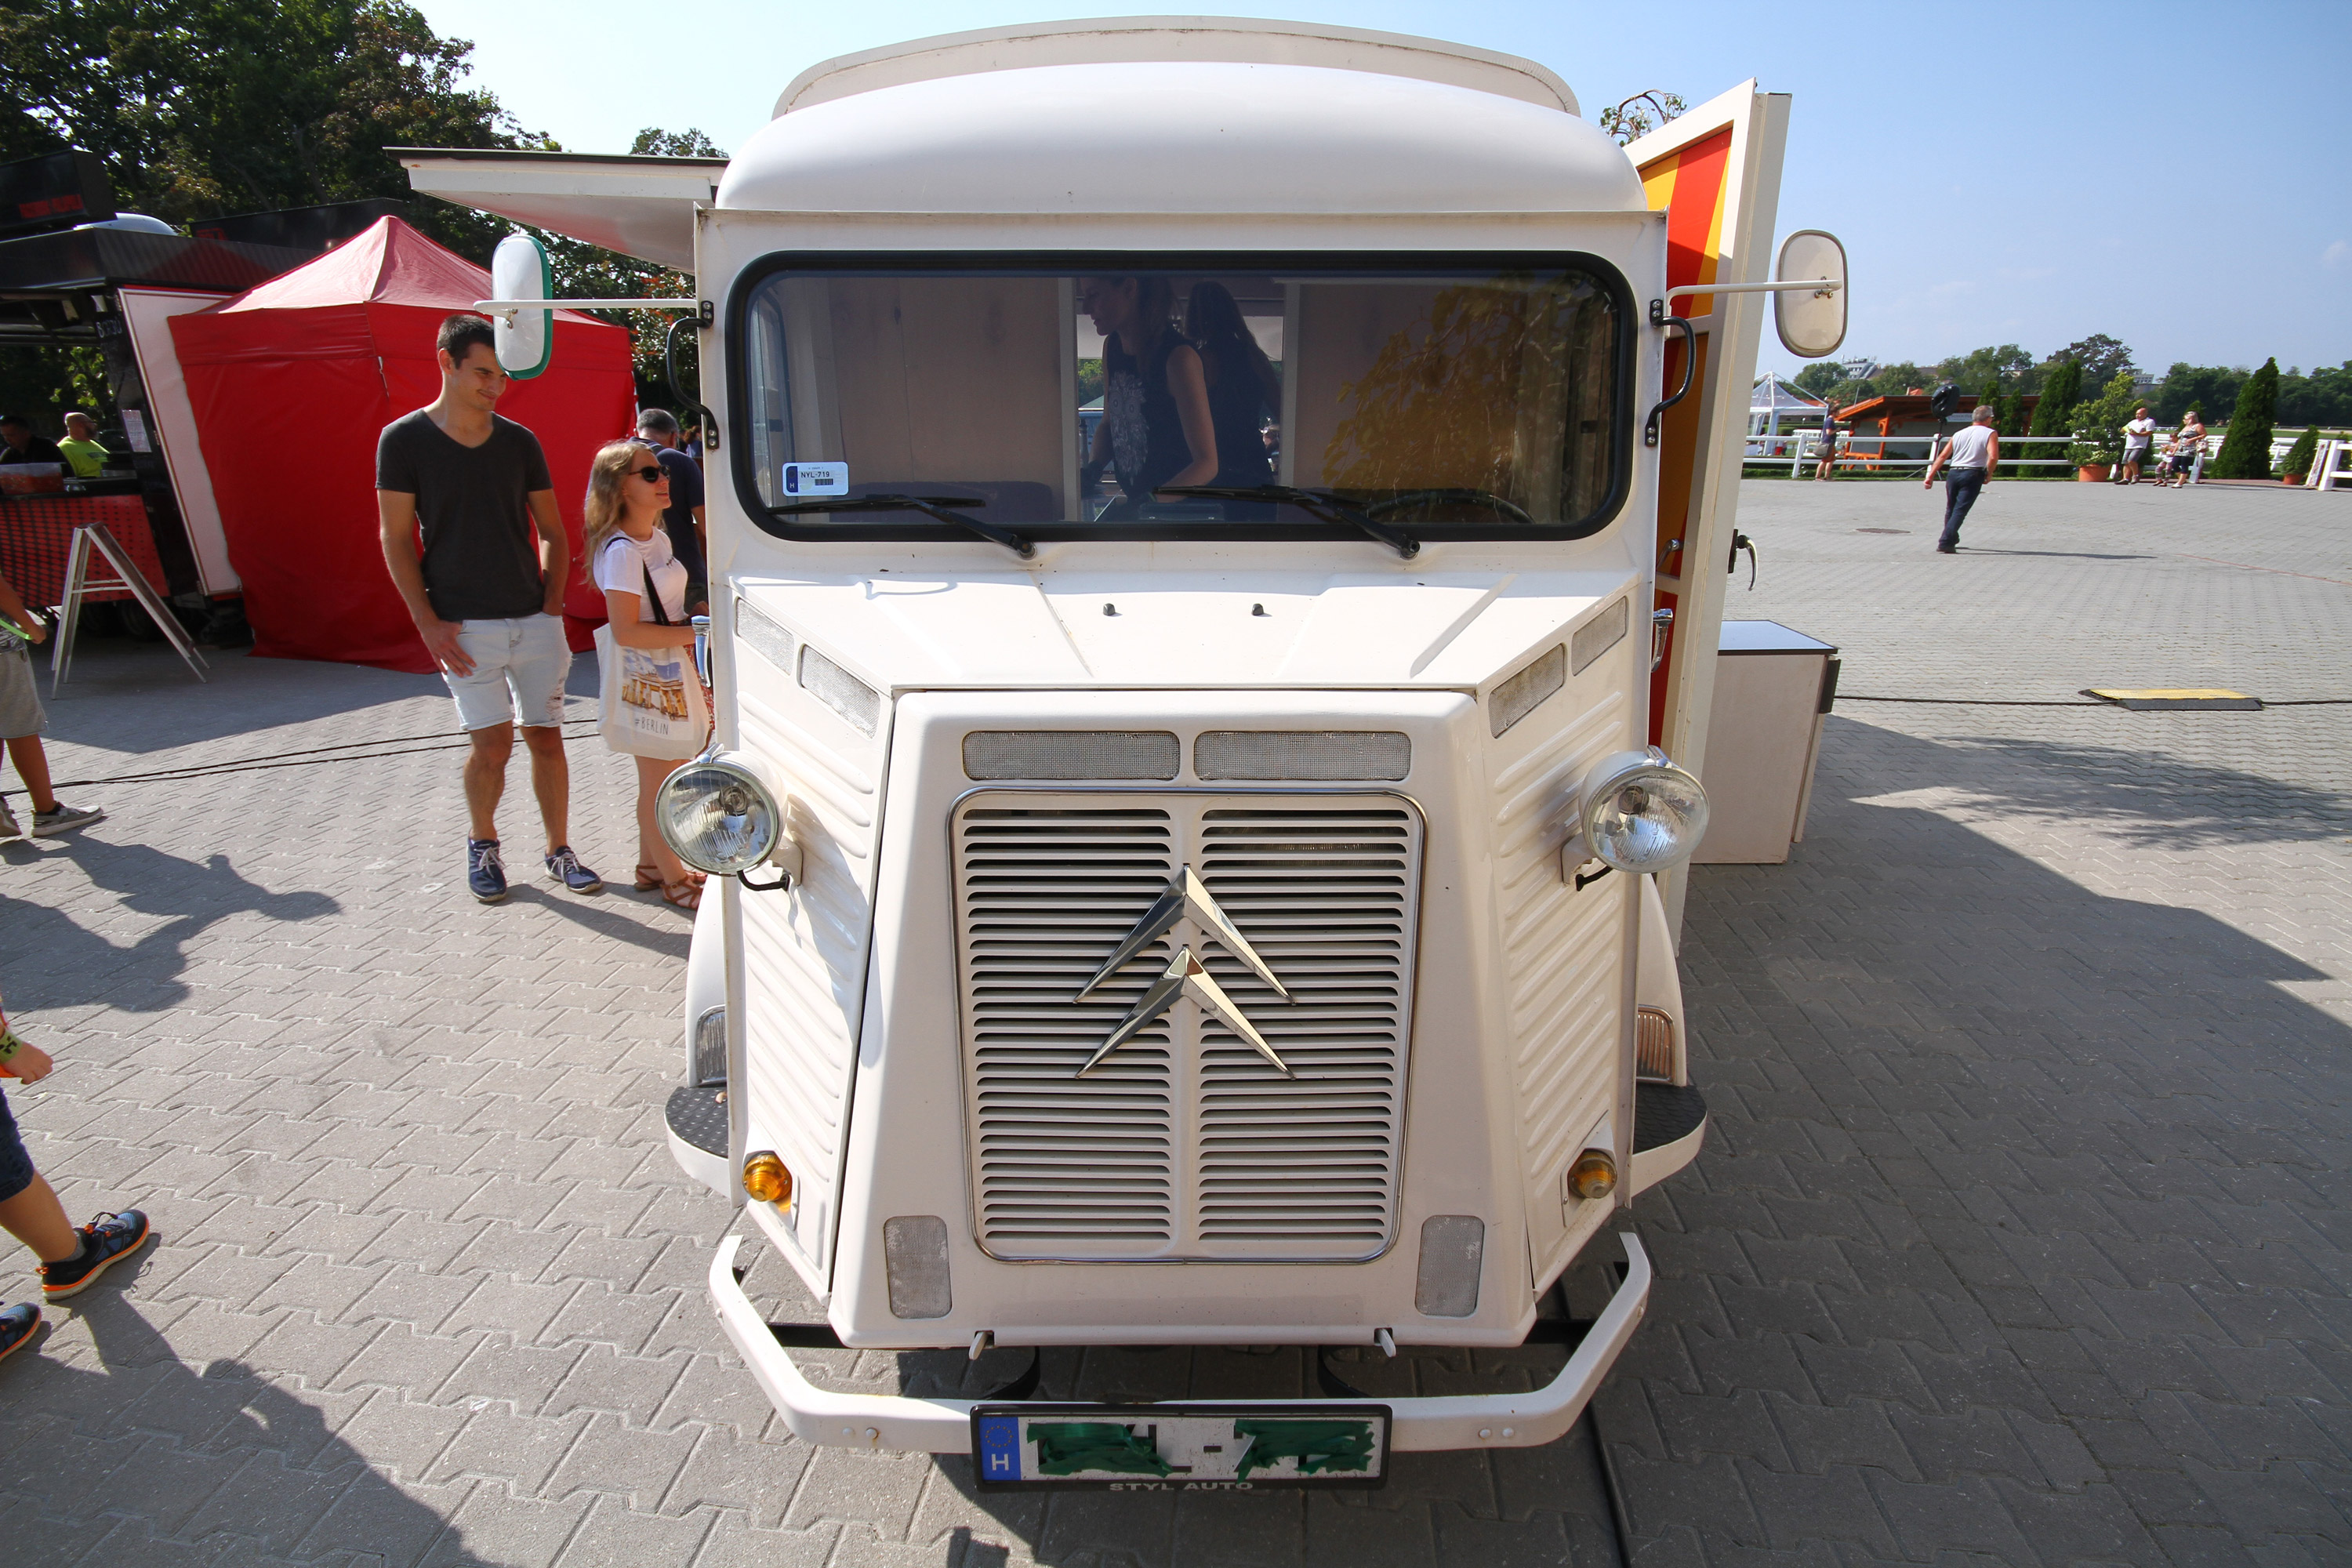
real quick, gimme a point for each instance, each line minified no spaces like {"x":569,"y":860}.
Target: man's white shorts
{"x":519,"y":666}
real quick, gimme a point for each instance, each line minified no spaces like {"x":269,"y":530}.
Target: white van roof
{"x":1178,"y":116}
{"x":1233,"y":40}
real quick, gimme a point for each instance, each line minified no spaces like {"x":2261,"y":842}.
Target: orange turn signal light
{"x":765,"y":1178}
{"x":1594,"y":1174}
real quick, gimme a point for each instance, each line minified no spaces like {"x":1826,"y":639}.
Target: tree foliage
{"x":199,"y":107}
{"x":2302,"y":455}
{"x":2101,"y":358}
{"x":2099,"y":424}
{"x":2246,"y":451}
{"x":2062,"y":388}
{"x":1630,"y":121}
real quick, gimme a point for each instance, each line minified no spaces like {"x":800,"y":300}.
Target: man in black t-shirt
{"x":486,"y":589}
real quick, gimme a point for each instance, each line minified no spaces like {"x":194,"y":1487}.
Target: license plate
{"x":1180,"y":1448}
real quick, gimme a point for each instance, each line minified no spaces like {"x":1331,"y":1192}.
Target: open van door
{"x":1715,"y":172}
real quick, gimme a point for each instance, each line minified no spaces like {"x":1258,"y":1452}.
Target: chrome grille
{"x":1184,"y":1142}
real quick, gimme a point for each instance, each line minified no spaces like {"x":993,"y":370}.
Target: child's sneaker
{"x":103,"y":1239}
{"x":17,"y":1324}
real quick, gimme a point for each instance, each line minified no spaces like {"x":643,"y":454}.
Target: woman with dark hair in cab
{"x":1155,"y":429}
{"x":1243,"y":387}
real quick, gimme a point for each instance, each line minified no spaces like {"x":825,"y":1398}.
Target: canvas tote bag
{"x":651,"y":701}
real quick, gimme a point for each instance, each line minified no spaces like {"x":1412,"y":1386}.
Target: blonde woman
{"x":627,"y":554}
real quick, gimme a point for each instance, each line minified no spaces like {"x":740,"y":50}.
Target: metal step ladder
{"x":89,"y":538}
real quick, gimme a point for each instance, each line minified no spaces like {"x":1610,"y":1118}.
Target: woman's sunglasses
{"x":652,"y":473}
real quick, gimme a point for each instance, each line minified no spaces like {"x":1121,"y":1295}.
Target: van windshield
{"x":1090,"y":399}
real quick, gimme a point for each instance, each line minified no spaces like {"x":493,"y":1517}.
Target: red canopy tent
{"x":293,"y":380}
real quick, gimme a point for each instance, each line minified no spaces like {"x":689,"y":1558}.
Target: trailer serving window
{"x":1250,"y":397}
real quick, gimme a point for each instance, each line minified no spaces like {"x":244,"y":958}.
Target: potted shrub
{"x":2098,"y":444}
{"x":2302,"y":455}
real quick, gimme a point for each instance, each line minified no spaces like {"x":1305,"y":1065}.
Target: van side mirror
{"x":522,"y":339}
{"x":1812,"y":322}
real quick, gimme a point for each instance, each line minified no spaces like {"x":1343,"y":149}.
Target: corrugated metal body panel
{"x":804,"y":954}
{"x":1563,"y":958}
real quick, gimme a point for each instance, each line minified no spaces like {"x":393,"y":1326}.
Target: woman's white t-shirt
{"x":622,"y":565}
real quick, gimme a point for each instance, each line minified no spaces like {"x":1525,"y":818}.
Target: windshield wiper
{"x":1487,"y":498}
{"x":1326,"y":504}
{"x":939,"y":507}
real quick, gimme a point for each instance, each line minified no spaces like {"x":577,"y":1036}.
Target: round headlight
{"x":718,"y":816}
{"x":1641,"y":812}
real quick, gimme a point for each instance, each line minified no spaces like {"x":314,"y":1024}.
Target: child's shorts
{"x":16,"y":1165}
{"x":20,"y":702}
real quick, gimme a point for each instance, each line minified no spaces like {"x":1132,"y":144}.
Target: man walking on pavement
{"x":657,"y":428}
{"x":485,"y":595}
{"x":1972,"y":454}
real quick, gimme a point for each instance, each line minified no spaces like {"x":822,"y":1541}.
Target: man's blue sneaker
{"x":17,"y":1324}
{"x":486,"y":874}
{"x":565,"y":868}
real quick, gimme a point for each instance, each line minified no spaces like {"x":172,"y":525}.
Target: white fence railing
{"x":1872,"y":452}
{"x":2331,"y":467}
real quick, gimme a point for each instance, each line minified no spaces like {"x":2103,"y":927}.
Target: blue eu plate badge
{"x":1000,"y":1448}
{"x":817,"y":478}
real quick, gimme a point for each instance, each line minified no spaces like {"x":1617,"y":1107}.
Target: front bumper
{"x":944,"y":1426}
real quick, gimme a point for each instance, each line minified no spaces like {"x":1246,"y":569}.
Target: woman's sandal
{"x":649,"y":877}
{"x":683,"y":895}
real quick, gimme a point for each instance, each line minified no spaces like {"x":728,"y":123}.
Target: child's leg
{"x":33,"y":767}
{"x":35,"y":1217}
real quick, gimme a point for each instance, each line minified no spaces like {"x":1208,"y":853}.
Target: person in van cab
{"x":1156,"y":430}
{"x":1243,"y":388}
{"x":20,"y":443}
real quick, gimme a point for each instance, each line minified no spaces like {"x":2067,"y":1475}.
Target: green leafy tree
{"x":2101,"y":358}
{"x":2099,"y":424}
{"x":2006,"y":363}
{"x":2303,"y":454}
{"x":1631,"y":120}
{"x":2209,"y":388}
{"x":2246,"y":450}
{"x":2325,"y":396}
{"x":1818,"y":377}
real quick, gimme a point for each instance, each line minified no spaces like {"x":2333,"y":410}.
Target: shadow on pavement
{"x":66,"y":966}
{"x":143,"y":1446}
{"x":2151,"y":799}
{"x":135,"y":699}
{"x":644,"y":931}
{"x":1991,"y":1152}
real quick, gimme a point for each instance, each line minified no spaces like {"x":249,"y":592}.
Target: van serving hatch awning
{"x":640,"y":206}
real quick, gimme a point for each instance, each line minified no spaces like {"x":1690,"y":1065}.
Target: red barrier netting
{"x":37,"y":530}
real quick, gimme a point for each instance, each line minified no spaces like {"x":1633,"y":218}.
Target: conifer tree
{"x":2060,"y":392}
{"x":2246,"y":450}
{"x":2303,"y":454}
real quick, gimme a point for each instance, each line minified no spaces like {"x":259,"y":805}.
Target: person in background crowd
{"x":629,"y":557}
{"x":20,"y":443}
{"x":1972,"y":454}
{"x":486,"y":590}
{"x":1827,"y":464}
{"x":657,"y":428}
{"x":80,"y":447}
{"x":2138,"y":436}
{"x":72,"y":1257}
{"x":2188,"y":450}
{"x":22,"y":719}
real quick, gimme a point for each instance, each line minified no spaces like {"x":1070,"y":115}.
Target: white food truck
{"x":1203,"y":873}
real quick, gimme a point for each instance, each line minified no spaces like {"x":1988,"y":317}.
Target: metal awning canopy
{"x":45,"y":278}
{"x":639,"y":206}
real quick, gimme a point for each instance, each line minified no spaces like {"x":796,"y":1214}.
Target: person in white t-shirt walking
{"x":1970,"y":456}
{"x":630,"y":558}
{"x":2138,"y":436}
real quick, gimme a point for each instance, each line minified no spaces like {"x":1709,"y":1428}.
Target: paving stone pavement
{"x":2019,"y":1237}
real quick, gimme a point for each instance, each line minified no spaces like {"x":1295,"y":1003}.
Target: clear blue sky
{"x":2177,"y":175}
